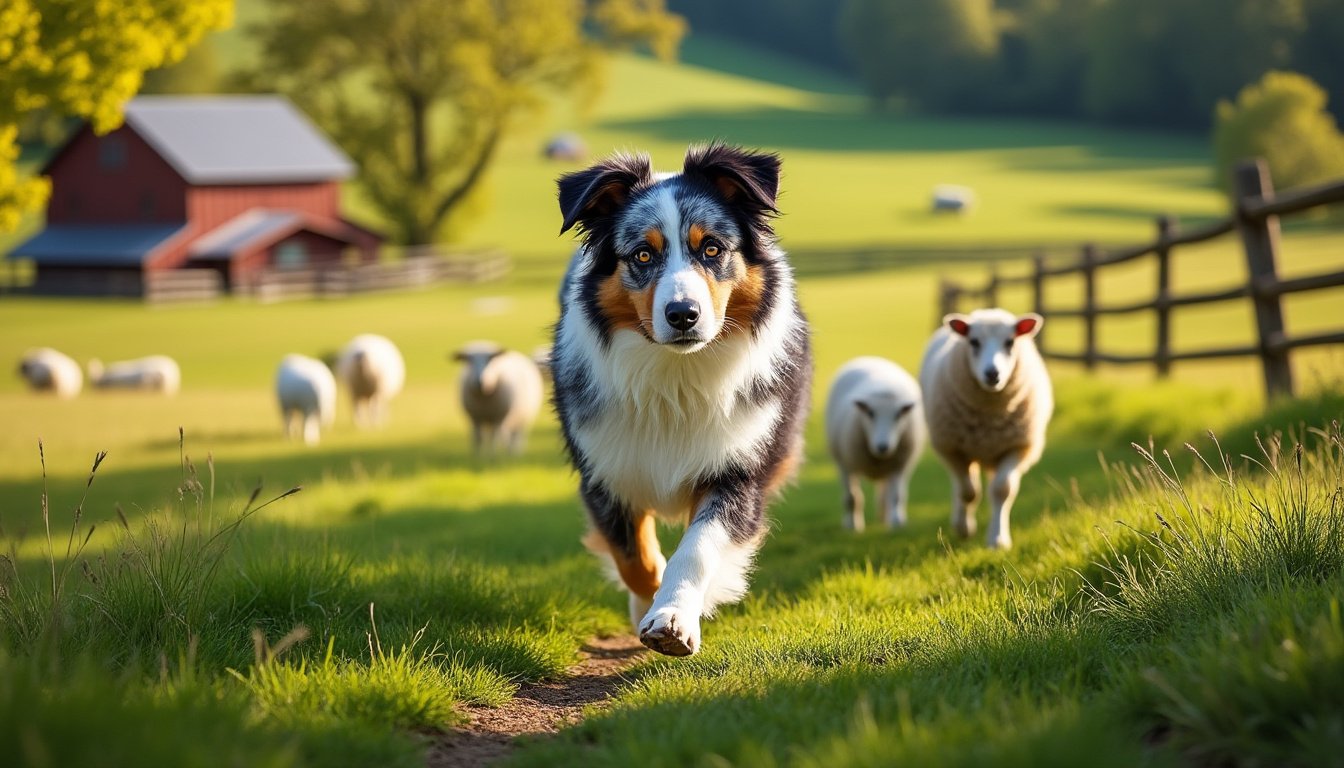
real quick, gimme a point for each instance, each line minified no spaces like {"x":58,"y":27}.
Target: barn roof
{"x":236,"y":139}
{"x":242,"y":230}
{"x":105,"y":245}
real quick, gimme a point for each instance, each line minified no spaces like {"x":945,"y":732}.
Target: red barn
{"x":238,"y":184}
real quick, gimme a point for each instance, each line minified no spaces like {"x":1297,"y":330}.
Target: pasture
{"x":425,"y":580}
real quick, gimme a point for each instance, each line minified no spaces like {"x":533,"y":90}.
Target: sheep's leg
{"x":709,"y":567}
{"x":853,"y":515}
{"x":288,"y":418}
{"x":312,"y":430}
{"x":896,"y":495}
{"x":1002,"y":491}
{"x":517,"y":440}
{"x":630,"y":540}
{"x":477,"y":439}
{"x":965,"y":493}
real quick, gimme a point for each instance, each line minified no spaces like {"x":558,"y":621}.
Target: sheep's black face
{"x":990,"y":340}
{"x":677,"y":259}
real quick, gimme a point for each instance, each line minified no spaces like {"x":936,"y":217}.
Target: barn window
{"x":112,"y":153}
{"x":291,"y":254}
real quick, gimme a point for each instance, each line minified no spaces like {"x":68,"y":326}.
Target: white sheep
{"x":307,"y":393}
{"x":987,"y":400}
{"x":372,"y":368}
{"x":47,"y":370}
{"x":157,"y":373}
{"x":501,"y":393}
{"x":875,"y":429}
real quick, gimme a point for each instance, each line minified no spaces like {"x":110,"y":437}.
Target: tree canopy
{"x":420,"y":92}
{"x":84,"y":59}
{"x":1281,"y":118}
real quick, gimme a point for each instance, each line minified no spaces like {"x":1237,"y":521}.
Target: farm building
{"x":221,"y":187}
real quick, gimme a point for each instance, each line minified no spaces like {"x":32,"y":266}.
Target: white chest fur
{"x":668,"y":421}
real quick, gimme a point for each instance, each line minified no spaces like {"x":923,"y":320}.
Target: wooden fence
{"x":1256,"y":219}
{"x":420,"y":268}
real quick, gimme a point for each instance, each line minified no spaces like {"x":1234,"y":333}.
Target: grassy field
{"x":1149,"y":614}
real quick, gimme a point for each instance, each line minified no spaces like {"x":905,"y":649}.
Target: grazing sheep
{"x":307,"y":393}
{"x":157,"y":373}
{"x":372,"y":368}
{"x":953,"y":198}
{"x":987,"y":399}
{"x":875,"y":429}
{"x":501,"y":393}
{"x":47,"y":370}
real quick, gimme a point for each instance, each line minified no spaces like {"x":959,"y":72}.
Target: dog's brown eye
{"x":712,"y":251}
{"x":643,"y":257}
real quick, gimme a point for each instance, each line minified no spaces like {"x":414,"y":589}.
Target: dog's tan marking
{"x":695,"y":236}
{"x":639,"y":570}
{"x":783,"y":473}
{"x":654,"y":237}
{"x":623,"y":307}
{"x":744,"y":299}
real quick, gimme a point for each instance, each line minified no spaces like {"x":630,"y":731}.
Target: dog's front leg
{"x":708,"y":568}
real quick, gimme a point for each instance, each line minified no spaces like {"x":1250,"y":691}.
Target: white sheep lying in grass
{"x":987,"y":400}
{"x":307,"y":393}
{"x":157,"y":373}
{"x":501,"y":393}
{"x":875,"y":429}
{"x":47,"y":370}
{"x":372,"y":368}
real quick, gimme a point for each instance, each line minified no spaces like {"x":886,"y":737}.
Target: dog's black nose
{"x":992,"y":376}
{"x":682,"y":314}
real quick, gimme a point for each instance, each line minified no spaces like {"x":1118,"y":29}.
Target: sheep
{"x":501,"y":393}
{"x":987,"y":401}
{"x":307,"y":393}
{"x":47,"y":370}
{"x":372,"y":368}
{"x":953,"y":198}
{"x":157,"y":373}
{"x":875,"y":429}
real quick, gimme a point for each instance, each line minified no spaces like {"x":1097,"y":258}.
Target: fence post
{"x":1038,"y":293}
{"x":992,"y":287}
{"x":1261,"y":242}
{"x":1166,"y":230}
{"x":947,"y":299}
{"x":1089,"y":306}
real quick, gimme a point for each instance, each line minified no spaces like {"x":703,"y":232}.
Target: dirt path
{"x":537,"y":708}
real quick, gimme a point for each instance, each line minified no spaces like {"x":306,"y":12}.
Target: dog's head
{"x":680,"y":258}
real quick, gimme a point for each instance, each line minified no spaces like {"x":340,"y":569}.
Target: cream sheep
{"x":47,"y":370}
{"x":501,"y":393}
{"x":987,"y":400}
{"x":157,"y":373}
{"x":875,"y":429}
{"x":372,"y":368}
{"x":307,"y":393}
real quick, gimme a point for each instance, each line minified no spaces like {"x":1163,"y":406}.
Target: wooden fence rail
{"x":1256,"y":219}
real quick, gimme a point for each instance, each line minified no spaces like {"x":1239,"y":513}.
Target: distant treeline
{"x":1162,"y":63}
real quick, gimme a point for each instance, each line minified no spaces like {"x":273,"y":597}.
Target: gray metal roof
{"x":236,"y":139}
{"x":106,"y":245}
{"x":228,"y":238}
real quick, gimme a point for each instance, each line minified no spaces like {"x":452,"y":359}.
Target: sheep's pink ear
{"x":1028,"y":324}
{"x":960,"y":324}
{"x":459,"y":356}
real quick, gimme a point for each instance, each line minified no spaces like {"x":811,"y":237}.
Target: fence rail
{"x":420,"y":268}
{"x":1256,"y":219}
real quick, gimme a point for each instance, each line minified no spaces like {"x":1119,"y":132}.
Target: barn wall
{"x":211,"y":206}
{"x":322,"y":251}
{"x":141,"y":189}
{"x":88,"y":281}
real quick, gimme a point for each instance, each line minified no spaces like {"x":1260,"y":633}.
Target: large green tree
{"x":931,"y":51}
{"x":1283,"y":119}
{"x":420,"y":92}
{"x":85,"y":59}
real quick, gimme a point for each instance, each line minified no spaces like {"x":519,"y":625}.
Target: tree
{"x":421,"y":92}
{"x":1283,"y":119}
{"x":83,"y":59}
{"x":934,"y":51}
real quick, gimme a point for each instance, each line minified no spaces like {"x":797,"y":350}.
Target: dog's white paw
{"x":671,"y":632}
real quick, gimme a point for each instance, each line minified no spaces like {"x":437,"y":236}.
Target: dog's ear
{"x":746,"y":179}
{"x":598,"y":191}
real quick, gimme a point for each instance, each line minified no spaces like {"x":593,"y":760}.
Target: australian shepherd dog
{"x":682,"y":372}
